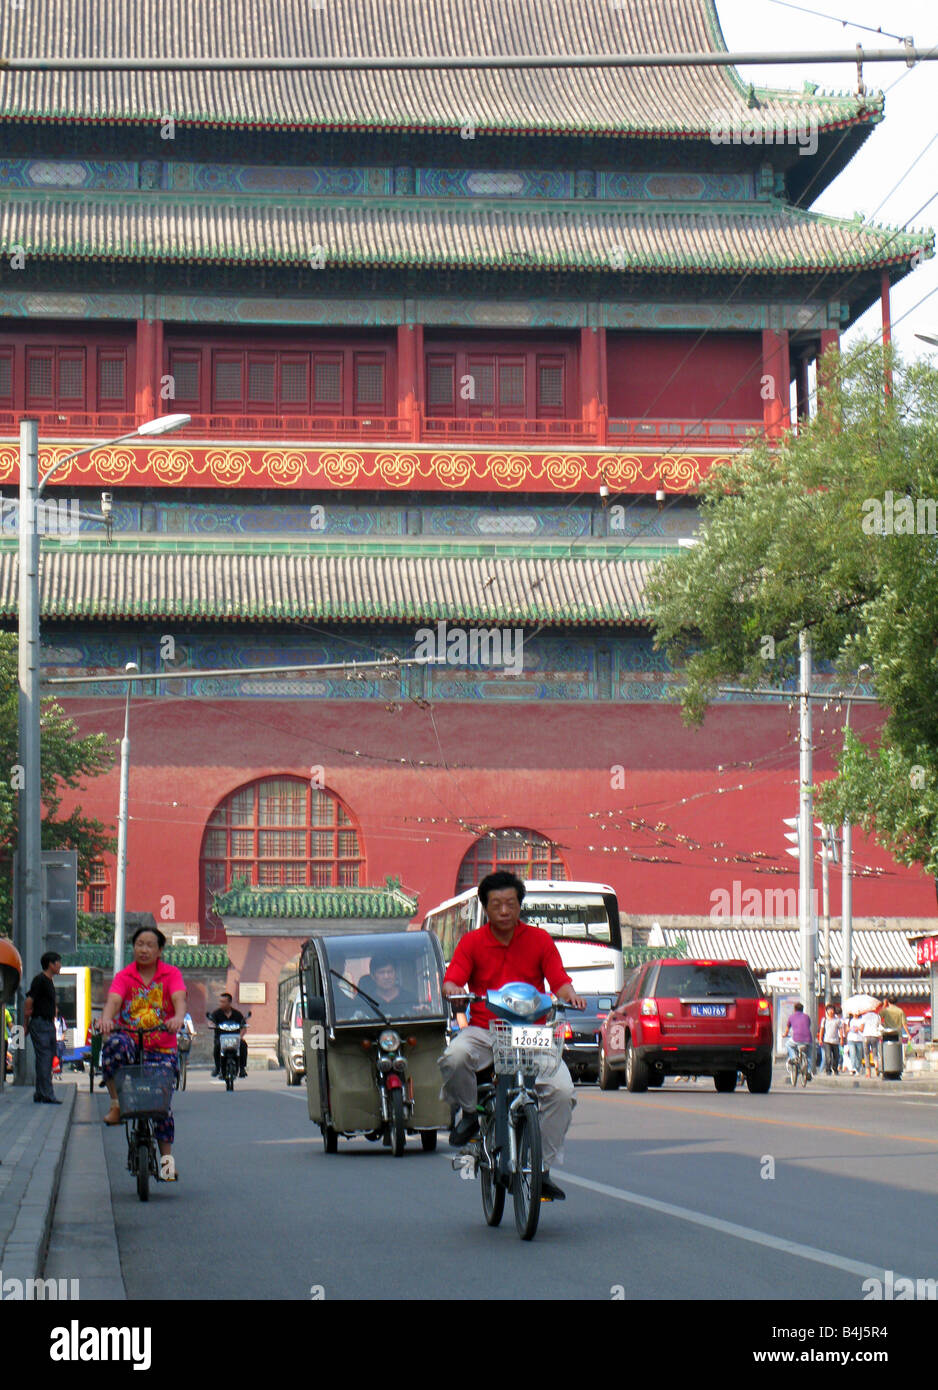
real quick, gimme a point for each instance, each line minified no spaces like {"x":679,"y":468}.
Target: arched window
{"x":97,"y":896}
{"x":280,"y":832}
{"x":524,"y":852}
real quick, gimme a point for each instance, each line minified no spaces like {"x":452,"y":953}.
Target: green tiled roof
{"x":761,"y":238}
{"x":185,"y":957}
{"x":316,"y":904}
{"x":608,"y":101}
{"x":599,"y":584}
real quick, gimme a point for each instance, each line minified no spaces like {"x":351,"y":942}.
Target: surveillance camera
{"x":659,"y":495}
{"x":604,"y":489}
{"x":106,"y":504}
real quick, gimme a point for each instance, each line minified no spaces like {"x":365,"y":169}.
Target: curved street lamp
{"x":28,"y":917}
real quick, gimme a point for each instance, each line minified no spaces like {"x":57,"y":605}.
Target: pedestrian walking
{"x":854,"y":1044}
{"x":39,"y":1022}
{"x":872,"y":1042}
{"x":830,"y":1041}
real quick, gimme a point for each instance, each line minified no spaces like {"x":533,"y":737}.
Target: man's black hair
{"x":48,"y":959}
{"x":156,"y":932}
{"x":382,"y":959}
{"x":493,"y":883}
{"x":225,"y":995}
{"x":799,"y":1008}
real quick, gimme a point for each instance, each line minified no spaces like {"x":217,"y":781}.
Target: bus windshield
{"x":579,"y":915}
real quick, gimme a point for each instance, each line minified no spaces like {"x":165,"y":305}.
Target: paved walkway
{"x":32,"y":1151}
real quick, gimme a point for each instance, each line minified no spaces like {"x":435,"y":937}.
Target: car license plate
{"x":526,"y":1036}
{"x":708,"y":1010}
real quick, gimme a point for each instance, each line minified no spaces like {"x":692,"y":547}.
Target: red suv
{"x":688,"y":1018}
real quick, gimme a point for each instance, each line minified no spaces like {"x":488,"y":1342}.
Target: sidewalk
{"x":32,"y":1151}
{"x":910,"y":1081}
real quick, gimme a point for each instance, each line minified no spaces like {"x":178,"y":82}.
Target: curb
{"x":25,"y":1251}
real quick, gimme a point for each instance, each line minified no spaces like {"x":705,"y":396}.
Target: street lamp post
{"x":121,"y":897}
{"x":28,"y":923}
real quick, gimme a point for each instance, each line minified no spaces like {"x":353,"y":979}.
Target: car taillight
{"x":567,"y":1033}
{"x":763,"y":1007}
{"x":649,"y":1008}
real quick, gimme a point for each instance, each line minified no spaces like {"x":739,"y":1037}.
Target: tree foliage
{"x":66,"y":760}
{"x":831,"y":532}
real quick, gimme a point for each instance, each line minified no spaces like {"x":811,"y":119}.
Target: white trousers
{"x":470,"y":1051}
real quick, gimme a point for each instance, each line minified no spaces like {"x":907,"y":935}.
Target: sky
{"x":911,"y":122}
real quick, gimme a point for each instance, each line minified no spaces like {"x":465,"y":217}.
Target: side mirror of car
{"x":316,"y":1008}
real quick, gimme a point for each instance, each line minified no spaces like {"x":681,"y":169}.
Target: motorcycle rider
{"x":505,"y":949}
{"x":226,"y":1012}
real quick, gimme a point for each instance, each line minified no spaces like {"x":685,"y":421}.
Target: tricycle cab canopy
{"x":370,"y":980}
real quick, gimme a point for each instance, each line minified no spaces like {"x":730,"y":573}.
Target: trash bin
{"x":892,"y":1056}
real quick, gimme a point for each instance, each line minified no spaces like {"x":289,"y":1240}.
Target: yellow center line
{"x":786,"y":1124}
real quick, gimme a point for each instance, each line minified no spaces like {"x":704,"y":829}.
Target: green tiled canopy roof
{"x":670,"y":101}
{"x":320,"y":904}
{"x":769,"y":238}
{"x":117,"y":583}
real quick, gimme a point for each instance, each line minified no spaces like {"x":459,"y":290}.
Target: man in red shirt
{"x":501,"y":952}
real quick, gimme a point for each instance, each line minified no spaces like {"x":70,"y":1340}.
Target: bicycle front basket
{"x":511,"y":1052}
{"x":144,"y":1093}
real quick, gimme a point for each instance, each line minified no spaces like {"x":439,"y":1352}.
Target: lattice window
{"x":482,"y":383}
{"x":111,"y":379}
{"x":261,"y":383}
{"x":228,"y":377}
{"x":328,"y":383}
{"x":6,"y":376}
{"x":39,"y":377}
{"x":511,"y":384}
{"x":550,"y":388}
{"x":97,"y":894}
{"x":294,"y":383}
{"x":280,"y":832}
{"x":524,"y":852}
{"x":72,"y":378}
{"x":441,"y":384}
{"x":369,"y":383}
{"x":185,"y":374}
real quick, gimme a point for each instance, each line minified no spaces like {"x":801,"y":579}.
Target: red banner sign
{"x":926,"y":951}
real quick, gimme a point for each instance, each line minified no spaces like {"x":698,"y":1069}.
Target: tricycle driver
{"x":502,"y":951}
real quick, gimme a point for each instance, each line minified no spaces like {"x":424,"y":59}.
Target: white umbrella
{"x":861,"y":1004}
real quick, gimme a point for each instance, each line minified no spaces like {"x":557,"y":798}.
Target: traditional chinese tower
{"x":457,"y":348}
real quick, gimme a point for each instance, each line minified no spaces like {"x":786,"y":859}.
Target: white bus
{"x":583,"y":918}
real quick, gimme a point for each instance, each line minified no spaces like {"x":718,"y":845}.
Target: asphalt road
{"x":675,"y":1194}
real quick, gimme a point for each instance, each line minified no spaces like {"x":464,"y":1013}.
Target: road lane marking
{"x":728,"y":1228}
{"x":786,"y":1124}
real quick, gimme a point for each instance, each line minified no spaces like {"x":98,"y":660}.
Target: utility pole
{"x":806,"y":916}
{"x":28,"y":924}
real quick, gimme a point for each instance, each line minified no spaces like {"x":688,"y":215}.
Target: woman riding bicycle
{"x":146,"y":994}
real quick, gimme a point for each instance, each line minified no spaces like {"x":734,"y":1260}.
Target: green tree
{"x":831,"y":532}
{"x":66,"y":760}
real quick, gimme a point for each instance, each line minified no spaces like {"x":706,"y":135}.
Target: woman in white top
{"x":872,"y":1035}
{"x":854,"y":1045}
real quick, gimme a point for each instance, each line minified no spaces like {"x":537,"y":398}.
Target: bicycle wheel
{"x":143,"y":1169}
{"x":526,"y":1185}
{"x":183,"y":1069}
{"x":804,"y":1071}
{"x":792,"y":1073}
{"x":493,"y":1193}
{"x":398,"y":1132}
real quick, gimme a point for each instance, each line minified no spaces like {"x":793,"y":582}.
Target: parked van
{"x":290,"y":1029}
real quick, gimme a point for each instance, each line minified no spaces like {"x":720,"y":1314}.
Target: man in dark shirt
{"x":39,"y":1019}
{"x":227,"y":1013}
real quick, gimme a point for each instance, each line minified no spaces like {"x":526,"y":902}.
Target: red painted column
{"x":589,"y":376}
{"x":830,"y":338}
{"x":160,"y":406}
{"x":143,"y":385}
{"x":776,"y":383}
{"x":603,"y":387}
{"x":887,"y":329}
{"x":407,"y":375}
